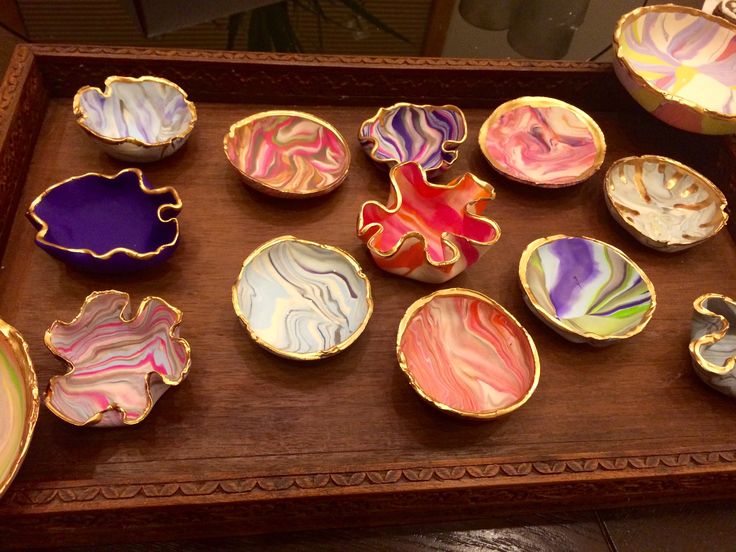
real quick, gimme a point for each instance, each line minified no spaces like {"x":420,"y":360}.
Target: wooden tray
{"x":252,"y":442}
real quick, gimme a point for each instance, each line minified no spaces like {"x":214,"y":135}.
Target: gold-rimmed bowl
{"x":19,"y":403}
{"x":467,"y":355}
{"x":543,"y":142}
{"x":678,"y":64}
{"x":288,"y":154}
{"x":137,"y":119}
{"x":664,"y":204}
{"x":713,"y":341}
{"x":586,"y":290}
{"x":302,"y":300}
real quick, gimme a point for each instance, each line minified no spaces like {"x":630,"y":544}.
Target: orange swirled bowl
{"x":288,"y":153}
{"x":467,"y":355}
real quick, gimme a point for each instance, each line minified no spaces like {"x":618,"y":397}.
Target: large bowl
{"x":679,"y":64}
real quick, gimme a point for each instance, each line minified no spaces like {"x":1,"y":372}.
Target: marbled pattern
{"x":428,"y":232}
{"x":288,"y":153}
{"x":587,"y":287}
{"x":302,"y":300}
{"x":465,"y":352}
{"x":665,"y":205}
{"x":426,"y":134}
{"x":18,"y":402}
{"x":713,"y":342}
{"x":542,"y":141}
{"x":116,"y":360}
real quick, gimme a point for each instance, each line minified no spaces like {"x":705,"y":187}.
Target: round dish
{"x":136,"y":119}
{"x":542,"y":141}
{"x":678,"y":63}
{"x":586,"y":290}
{"x":467,"y":355}
{"x":302,"y":300}
{"x":288,"y":153}
{"x":662,"y":203}
{"x":713,"y":342}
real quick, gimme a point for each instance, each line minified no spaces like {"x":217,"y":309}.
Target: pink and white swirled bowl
{"x":679,"y":63}
{"x":467,"y":355}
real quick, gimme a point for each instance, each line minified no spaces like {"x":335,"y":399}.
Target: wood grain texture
{"x":250,"y":439}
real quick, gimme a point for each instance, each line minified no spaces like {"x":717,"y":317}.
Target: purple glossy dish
{"x":111,"y":224}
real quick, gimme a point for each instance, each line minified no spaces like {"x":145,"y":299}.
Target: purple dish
{"x":107,"y":224}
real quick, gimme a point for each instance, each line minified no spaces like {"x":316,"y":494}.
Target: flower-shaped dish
{"x":288,"y":153}
{"x":586,"y":290}
{"x":107,"y":223}
{"x":466,"y":354}
{"x":678,"y":63}
{"x":713,"y":342}
{"x":136,"y":119}
{"x":428,"y":232}
{"x":426,"y":134}
{"x":543,"y":142}
{"x":118,"y":365}
{"x":18,"y":403}
{"x":302,"y":300}
{"x":662,"y":203}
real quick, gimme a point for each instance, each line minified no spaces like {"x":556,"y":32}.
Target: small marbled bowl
{"x":105,"y":223}
{"x":428,"y":135}
{"x":118,"y":365}
{"x":713,"y":342}
{"x":428,"y":232}
{"x":664,"y":204}
{"x":467,"y":355}
{"x":288,"y":154}
{"x":136,"y":119}
{"x":586,"y":290}
{"x":543,"y":142}
{"x":302,"y":300}
{"x":18,"y":403}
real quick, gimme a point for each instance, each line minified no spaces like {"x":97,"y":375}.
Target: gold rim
{"x":323,"y":353}
{"x":447,"y":146}
{"x":542,"y":101}
{"x":628,"y":18}
{"x":261,"y":185}
{"x":553,"y":320}
{"x":81,"y":116}
{"x":363,"y":229}
{"x":695,"y":345}
{"x":22,"y":356}
{"x":609,"y":187}
{"x":420,"y":304}
{"x":43,"y":227}
{"x":71,"y":367}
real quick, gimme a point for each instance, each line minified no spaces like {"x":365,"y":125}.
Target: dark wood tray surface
{"x":251,"y":440}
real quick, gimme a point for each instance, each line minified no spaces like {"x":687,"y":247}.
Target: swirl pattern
{"x":119,"y":366}
{"x":713,"y":342}
{"x":466,"y":354}
{"x":542,"y":141}
{"x":426,"y":134}
{"x":288,"y":153}
{"x":586,"y":288}
{"x":302,"y":300}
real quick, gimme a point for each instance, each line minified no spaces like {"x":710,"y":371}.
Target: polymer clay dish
{"x":18,"y":403}
{"x":465,"y":354}
{"x":543,"y":142}
{"x":288,"y":153}
{"x":428,"y":232}
{"x":664,"y":204}
{"x":586,"y":290}
{"x":713,"y":342}
{"x":428,"y":135}
{"x":302,"y":300}
{"x":105,"y":223}
{"x":119,"y":364}
{"x":136,"y":119}
{"x":678,"y":63}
